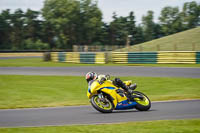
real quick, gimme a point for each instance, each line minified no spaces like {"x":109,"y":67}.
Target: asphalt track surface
{"x":87,"y":115}
{"x":112,"y":70}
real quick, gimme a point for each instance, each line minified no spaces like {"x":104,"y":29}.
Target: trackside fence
{"x":178,"y":57}
{"x":161,"y":57}
{"x":197,"y":57}
{"x":21,"y":54}
{"x":168,"y":57}
{"x":134,"y":57}
{"x":79,"y":57}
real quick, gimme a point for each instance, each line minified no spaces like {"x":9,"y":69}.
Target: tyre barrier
{"x":22,"y":54}
{"x":177,"y":57}
{"x":142,"y":58}
{"x":134,"y":57}
{"x":197,"y":57}
{"x":167,"y":57}
{"x":161,"y":57}
{"x":79,"y":57}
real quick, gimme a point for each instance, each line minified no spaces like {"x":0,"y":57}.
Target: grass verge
{"x":18,"y":91}
{"x":37,"y":62}
{"x":183,"y":41}
{"x":161,"y":126}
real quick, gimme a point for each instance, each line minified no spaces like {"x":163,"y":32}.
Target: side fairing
{"x":125,"y":105}
{"x":108,"y":88}
{"x":92,"y":89}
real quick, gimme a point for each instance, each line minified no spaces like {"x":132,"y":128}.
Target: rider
{"x":92,"y":76}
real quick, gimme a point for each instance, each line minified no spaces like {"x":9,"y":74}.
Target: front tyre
{"x":104,"y":106}
{"x":143,"y":104}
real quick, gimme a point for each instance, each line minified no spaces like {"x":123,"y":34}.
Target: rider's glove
{"x":102,"y":78}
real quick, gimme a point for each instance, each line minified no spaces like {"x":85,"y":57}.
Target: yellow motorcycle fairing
{"x":108,"y":88}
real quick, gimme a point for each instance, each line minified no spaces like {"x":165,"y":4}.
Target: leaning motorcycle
{"x":106,"y":97}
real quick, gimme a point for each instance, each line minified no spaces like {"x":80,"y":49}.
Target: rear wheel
{"x":103,"y":105}
{"x":143,"y":104}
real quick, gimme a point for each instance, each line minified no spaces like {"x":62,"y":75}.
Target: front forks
{"x":101,"y":97}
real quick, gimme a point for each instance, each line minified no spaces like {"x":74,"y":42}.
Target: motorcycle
{"x":105,"y":97}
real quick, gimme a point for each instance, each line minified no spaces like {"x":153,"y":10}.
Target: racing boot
{"x":133,"y":86}
{"x":128,"y":91}
{"x":129,"y":95}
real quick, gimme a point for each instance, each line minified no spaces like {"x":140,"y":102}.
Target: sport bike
{"x":106,"y":97}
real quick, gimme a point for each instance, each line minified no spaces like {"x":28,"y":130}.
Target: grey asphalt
{"x":88,"y":115}
{"x":112,"y":70}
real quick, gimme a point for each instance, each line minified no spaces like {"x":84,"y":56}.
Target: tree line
{"x":60,"y":24}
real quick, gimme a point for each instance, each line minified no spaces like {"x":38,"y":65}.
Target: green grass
{"x":182,"y":41}
{"x":18,"y":91}
{"x":162,"y":126}
{"x":37,"y":62}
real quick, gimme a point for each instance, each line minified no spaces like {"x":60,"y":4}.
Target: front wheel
{"x":143,"y":104}
{"x":102,"y":105}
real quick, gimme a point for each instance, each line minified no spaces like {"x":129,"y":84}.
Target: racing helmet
{"x":90,"y":76}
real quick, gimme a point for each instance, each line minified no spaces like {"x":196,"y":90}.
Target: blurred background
{"x":116,"y":37}
{"x":90,"y":25}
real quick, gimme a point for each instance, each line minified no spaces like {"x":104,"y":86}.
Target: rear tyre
{"x":104,"y":107}
{"x":142,"y":104}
